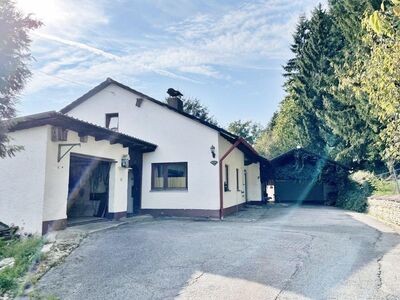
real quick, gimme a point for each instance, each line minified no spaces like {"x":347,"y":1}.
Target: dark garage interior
{"x":88,"y":188}
{"x":303,"y":177}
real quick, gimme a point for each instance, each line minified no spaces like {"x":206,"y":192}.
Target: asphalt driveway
{"x":277,"y":253}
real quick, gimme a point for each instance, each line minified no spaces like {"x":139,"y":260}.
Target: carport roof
{"x":288,"y":155}
{"x":83,"y":128}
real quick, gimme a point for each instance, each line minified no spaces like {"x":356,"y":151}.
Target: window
{"x":226,"y":183}
{"x":112,"y":121}
{"x":237,"y":180}
{"x":169,"y":176}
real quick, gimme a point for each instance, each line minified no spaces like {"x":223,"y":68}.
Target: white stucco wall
{"x":57,"y":174}
{"x":254,"y":192}
{"x":34,"y":186}
{"x":179,"y":139}
{"x":235,"y":160}
{"x":23,"y":179}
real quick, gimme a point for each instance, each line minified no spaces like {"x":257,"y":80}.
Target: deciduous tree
{"x":249,"y":130}
{"x":194,"y":107}
{"x":14,"y":69}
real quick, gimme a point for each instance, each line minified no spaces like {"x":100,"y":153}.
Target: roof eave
{"x":83,"y":128}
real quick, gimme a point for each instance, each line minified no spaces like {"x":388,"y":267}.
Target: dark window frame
{"x":237,"y":180}
{"x":165,"y":176}
{"x":226,"y":182}
{"x":109,"y":116}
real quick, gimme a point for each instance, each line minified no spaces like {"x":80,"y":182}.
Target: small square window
{"x":112,"y":121}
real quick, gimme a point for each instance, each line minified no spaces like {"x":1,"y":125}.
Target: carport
{"x":303,"y":177}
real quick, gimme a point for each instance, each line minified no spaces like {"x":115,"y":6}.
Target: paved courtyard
{"x":261,"y":253}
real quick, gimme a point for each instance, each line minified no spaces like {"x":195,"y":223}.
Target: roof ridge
{"x":110,"y":80}
{"x":225,"y":133}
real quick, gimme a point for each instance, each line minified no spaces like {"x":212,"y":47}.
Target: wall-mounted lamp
{"x":125,"y":161}
{"x":212,"y":149}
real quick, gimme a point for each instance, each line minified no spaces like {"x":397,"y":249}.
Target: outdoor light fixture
{"x":212,"y":149}
{"x":125,"y":161}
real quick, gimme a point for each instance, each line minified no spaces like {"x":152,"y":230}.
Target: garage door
{"x":299,"y":192}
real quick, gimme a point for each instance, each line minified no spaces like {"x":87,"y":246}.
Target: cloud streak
{"x":193,"y":49}
{"x":77,"y":45}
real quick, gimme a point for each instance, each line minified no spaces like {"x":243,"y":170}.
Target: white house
{"x":178,"y":164}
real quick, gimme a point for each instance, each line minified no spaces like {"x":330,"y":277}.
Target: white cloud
{"x":246,"y":36}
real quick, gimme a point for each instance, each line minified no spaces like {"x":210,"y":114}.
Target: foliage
{"x":195,"y":108}
{"x":310,"y":74}
{"x":382,"y":187}
{"x":14,"y":72}
{"x":354,"y":196}
{"x":248,"y":130}
{"x":386,"y":20}
{"x":343,"y":85}
{"x":286,"y":132}
{"x":26,"y":252}
{"x":265,"y":139}
{"x":380,"y":81}
{"x":373,"y":80}
{"x":354,"y":192}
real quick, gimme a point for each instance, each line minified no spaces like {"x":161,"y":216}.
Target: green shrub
{"x":383,"y":187}
{"x":26,"y":252}
{"x":353,"y":194}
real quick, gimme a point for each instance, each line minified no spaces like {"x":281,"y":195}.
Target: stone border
{"x":385,"y":208}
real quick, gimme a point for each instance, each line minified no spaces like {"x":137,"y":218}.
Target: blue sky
{"x":228,"y":54}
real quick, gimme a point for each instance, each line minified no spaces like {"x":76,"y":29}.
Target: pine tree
{"x":311,"y":76}
{"x":288,"y":128}
{"x":351,"y":119}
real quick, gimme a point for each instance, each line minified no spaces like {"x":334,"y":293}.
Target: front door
{"x":135,"y":182}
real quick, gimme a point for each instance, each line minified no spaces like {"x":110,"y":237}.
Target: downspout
{"x":221,"y":178}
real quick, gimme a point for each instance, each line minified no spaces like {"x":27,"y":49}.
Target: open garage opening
{"x":88,"y":189}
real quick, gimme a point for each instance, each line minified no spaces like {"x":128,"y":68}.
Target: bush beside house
{"x":354,"y":192}
{"x":24,"y":253}
{"x":364,"y":192}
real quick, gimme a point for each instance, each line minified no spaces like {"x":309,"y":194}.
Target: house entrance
{"x":135,"y":182}
{"x":88,"y":188}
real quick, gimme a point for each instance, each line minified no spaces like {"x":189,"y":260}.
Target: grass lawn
{"x":26,"y":252}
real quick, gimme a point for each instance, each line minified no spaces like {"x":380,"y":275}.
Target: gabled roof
{"x":244,"y":147}
{"x":110,"y":81}
{"x":288,"y":155}
{"x":83,"y":128}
